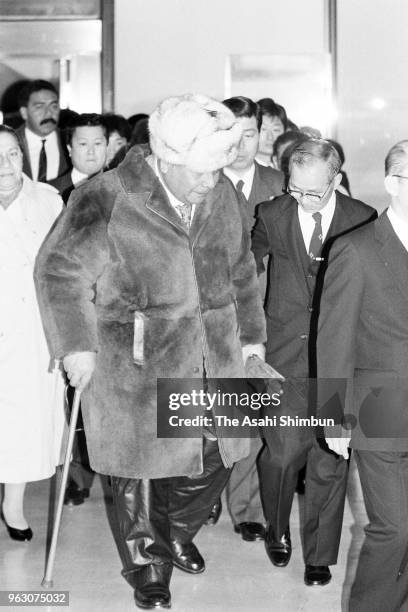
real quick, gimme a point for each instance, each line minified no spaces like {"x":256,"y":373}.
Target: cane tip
{"x":47,"y":584}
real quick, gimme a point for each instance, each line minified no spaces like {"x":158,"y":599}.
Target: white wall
{"x":373,"y":92}
{"x":165,"y":47}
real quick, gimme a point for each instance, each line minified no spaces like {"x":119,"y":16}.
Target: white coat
{"x":31,"y":386}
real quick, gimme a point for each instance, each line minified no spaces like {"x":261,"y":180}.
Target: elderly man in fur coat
{"x":149,"y":275}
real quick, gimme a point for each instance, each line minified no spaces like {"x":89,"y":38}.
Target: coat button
{"x":310,"y":308}
{"x":196,"y":370}
{"x":304,"y":336}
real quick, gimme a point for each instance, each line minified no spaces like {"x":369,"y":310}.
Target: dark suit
{"x":268,"y":183}
{"x":242,"y":491}
{"x":363,"y":336}
{"x":289,"y":348}
{"x":64,"y":185}
{"x":64,"y":159}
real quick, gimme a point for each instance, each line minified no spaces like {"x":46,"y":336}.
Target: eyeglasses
{"x":314,"y":197}
{"x":400,"y":176}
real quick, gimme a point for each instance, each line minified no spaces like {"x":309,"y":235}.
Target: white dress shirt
{"x":247,"y":177}
{"x":307,"y":223}
{"x":400,"y":226}
{"x":77,"y":176}
{"x":34,"y":144}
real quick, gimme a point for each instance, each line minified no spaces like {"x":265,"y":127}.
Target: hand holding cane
{"x":79,"y":368}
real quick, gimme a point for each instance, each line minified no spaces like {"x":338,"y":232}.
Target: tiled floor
{"x":238,"y":578}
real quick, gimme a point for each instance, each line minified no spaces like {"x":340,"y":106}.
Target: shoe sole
{"x":73,"y":502}
{"x":188,"y":571}
{"x":156,"y":607}
{"x":282,"y":564}
{"x":317,"y":583}
{"x":253,"y":539}
{"x":250,"y":538}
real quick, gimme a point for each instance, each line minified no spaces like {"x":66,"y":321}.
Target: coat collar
{"x":344,"y":217}
{"x":138,"y":177}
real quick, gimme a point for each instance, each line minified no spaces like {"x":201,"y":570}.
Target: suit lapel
{"x":292,"y":240}
{"x":254,"y":197}
{"x":202,"y":213}
{"x":392,"y":253}
{"x":64,"y":160}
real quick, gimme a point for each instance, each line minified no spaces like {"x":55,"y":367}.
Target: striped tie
{"x":317,"y":237}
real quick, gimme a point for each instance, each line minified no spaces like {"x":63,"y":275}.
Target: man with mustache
{"x":45,"y":156}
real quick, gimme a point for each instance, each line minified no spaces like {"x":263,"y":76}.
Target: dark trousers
{"x":80,"y":470}
{"x":242,"y":490}
{"x":151,"y":513}
{"x":287,"y":449}
{"x":384,"y":480}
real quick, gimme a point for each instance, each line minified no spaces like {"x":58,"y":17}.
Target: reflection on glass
{"x":301,"y":83}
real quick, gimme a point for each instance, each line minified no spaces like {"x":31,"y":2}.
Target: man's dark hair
{"x":85,"y":120}
{"x":288,"y":138}
{"x":32,"y":87}
{"x":271,"y":109}
{"x":117,"y":123}
{"x":140,"y":133}
{"x":314,"y":149}
{"x":283,"y":147}
{"x":244,"y":107}
{"x":134,"y":119}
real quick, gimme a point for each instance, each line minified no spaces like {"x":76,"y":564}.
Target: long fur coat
{"x":120,"y":276}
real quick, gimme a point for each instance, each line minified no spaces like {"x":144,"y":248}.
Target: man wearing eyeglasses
{"x":366,"y":295}
{"x":297,"y":231}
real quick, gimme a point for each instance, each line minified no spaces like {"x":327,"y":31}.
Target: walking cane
{"x":47,"y":582}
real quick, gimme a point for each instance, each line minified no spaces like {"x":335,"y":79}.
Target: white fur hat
{"x":195,"y":131}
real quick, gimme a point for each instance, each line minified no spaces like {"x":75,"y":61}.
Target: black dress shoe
{"x":279,"y":550}
{"x":300,"y":485}
{"x":215,"y":513}
{"x":74,"y":495}
{"x":317,"y":575}
{"x":152,"y":587}
{"x":250,"y":532}
{"x":20,"y":535}
{"x":187,"y":557}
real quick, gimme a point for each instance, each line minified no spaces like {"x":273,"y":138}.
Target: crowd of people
{"x":180,"y":246}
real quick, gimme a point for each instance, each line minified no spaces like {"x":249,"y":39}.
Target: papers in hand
{"x":256,"y":368}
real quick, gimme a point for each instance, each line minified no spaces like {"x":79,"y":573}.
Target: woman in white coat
{"x":31,"y":387}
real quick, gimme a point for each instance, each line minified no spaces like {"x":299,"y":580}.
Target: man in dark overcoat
{"x":148,"y":275}
{"x":297,"y":231}
{"x":363,"y":338}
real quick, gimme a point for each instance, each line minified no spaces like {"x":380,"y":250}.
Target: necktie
{"x":42,"y":164}
{"x":317,"y":237}
{"x":185,"y":214}
{"x":241,"y":195}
